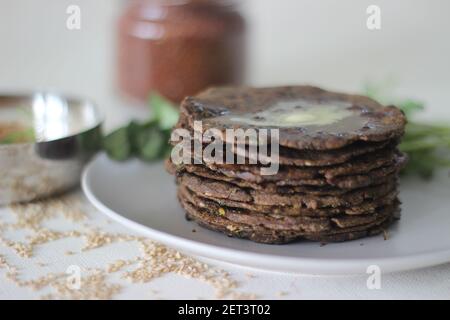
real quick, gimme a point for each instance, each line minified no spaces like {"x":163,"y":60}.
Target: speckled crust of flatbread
{"x":282,"y":190}
{"x":348,"y":182}
{"x":357,"y":165}
{"x":365,"y":208}
{"x":224,"y":190}
{"x":264,"y":229}
{"x":380,"y":123}
{"x":308,"y":158}
{"x":279,"y":222}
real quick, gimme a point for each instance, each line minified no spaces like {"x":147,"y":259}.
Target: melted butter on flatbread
{"x":314,"y":116}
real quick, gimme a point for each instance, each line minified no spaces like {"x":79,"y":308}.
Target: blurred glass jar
{"x":178,"y":48}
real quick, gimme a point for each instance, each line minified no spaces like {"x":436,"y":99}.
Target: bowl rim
{"x":99,"y":116}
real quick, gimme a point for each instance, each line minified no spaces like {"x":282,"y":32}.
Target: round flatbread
{"x":308,"y":118}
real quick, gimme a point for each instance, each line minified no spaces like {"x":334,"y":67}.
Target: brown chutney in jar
{"x":178,"y":48}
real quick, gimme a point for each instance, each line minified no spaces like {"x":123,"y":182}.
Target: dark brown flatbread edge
{"x":305,"y":157}
{"x":354,"y":181}
{"x":264,"y":235}
{"x":225,"y":190}
{"x":365,"y":208}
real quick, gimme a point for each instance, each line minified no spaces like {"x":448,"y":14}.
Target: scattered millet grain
{"x":154,"y":260}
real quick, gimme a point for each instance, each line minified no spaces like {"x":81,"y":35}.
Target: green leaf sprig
{"x":427,"y":144}
{"x":147,"y":141}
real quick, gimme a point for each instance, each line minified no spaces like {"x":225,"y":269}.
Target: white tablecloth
{"x":30,"y":257}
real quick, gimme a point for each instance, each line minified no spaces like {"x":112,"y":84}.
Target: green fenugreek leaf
{"x":147,"y":141}
{"x":164,"y":112}
{"x":427,"y":144}
{"x":117,"y":144}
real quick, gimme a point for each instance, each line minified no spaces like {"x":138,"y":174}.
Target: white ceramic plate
{"x":142,"y":197}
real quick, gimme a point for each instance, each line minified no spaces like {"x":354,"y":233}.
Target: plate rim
{"x":266,"y":262}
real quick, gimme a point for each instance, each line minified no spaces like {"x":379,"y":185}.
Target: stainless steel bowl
{"x":67,"y":133}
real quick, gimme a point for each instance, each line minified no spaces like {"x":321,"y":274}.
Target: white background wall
{"x":324,"y":42}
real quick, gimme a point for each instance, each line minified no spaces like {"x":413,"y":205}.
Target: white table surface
{"x":36,"y":51}
{"x":57,"y":256}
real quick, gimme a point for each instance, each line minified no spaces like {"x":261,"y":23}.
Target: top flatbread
{"x":353,"y":118}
